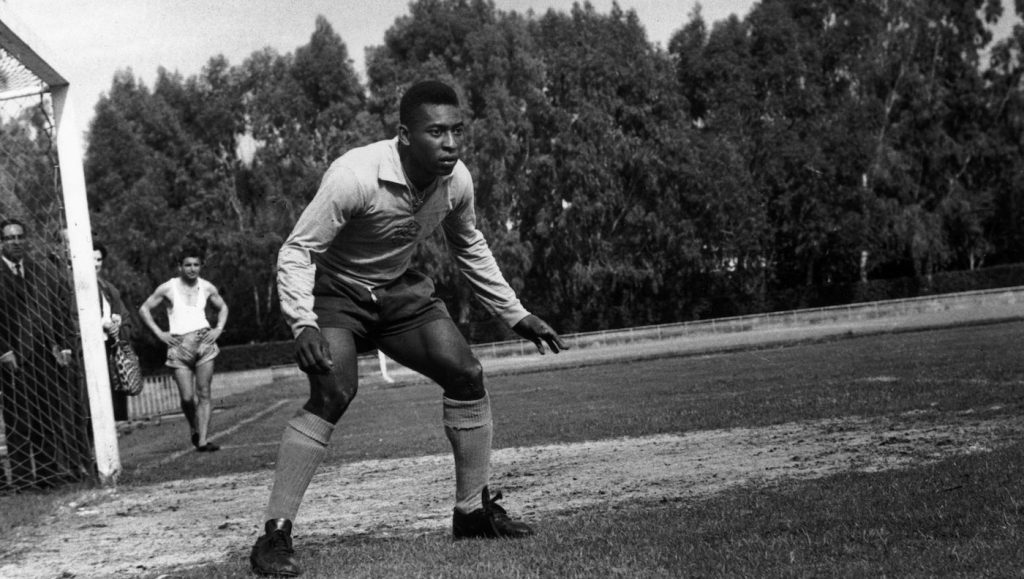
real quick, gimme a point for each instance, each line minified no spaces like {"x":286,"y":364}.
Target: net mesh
{"x":45,"y":416}
{"x":15,"y":78}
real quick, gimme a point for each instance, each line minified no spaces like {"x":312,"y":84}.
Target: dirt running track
{"x":152,"y":529}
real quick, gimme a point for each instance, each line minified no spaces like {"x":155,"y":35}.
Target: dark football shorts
{"x":405,"y":304}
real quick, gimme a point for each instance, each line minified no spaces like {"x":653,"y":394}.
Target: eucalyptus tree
{"x":135,"y":183}
{"x":715,"y":72}
{"x":619,"y":181}
{"x":1004,"y":77}
{"x":931,"y":128}
{"x":863,"y":124}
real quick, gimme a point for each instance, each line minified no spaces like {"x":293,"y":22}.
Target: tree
{"x":224,"y":159}
{"x":615,"y":185}
{"x":1000,"y":167}
{"x":861,"y":123}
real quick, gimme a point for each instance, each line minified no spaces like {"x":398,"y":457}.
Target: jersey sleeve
{"x":476,"y":262}
{"x":313,"y":233}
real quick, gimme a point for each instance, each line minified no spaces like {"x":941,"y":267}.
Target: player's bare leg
{"x":303,"y":447}
{"x":204,"y":406}
{"x":439,"y":351}
{"x":185,"y":380}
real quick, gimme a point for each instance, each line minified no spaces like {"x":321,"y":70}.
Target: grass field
{"x":888,"y":455}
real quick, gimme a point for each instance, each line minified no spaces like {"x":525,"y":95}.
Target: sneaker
{"x":208,"y":447}
{"x":490,"y":521}
{"x":273,"y":554}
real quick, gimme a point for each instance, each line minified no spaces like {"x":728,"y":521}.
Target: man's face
{"x":190,"y":267}
{"x":13,"y":238}
{"x":434,"y":138}
{"x":97,"y":257}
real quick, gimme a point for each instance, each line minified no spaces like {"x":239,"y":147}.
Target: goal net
{"x":55,"y":429}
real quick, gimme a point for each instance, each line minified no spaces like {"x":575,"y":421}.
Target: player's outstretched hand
{"x":538,"y":331}
{"x":312,"y":352}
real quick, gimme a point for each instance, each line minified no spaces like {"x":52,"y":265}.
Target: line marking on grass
{"x":230,"y":430}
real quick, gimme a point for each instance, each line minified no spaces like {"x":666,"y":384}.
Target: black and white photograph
{"x":531,"y":289}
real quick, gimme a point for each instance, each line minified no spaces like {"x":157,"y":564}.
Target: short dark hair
{"x":191,"y":251}
{"x":427,"y":92}
{"x":100,"y":248}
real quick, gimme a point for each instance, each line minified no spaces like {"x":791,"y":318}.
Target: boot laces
{"x":280,"y":542}
{"x":492,"y":508}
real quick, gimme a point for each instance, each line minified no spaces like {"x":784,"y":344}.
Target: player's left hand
{"x":538,"y":331}
{"x":212,"y":336}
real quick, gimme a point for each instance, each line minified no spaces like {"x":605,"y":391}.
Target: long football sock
{"x":303,"y":447}
{"x":469,"y":428}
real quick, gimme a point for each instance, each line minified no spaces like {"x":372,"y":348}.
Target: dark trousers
{"x":47,"y":431}
{"x":118,"y":398}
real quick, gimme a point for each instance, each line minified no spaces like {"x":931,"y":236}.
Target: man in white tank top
{"x":191,"y":342}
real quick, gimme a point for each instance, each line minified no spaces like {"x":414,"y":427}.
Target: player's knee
{"x":337,"y":400}
{"x":465,"y":381}
{"x":329,"y":399}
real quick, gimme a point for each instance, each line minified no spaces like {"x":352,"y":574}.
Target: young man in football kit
{"x":346,"y":287}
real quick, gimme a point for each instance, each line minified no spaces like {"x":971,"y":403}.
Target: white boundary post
{"x":30,"y":51}
{"x":94,"y":354}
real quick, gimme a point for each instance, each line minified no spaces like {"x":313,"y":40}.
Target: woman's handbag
{"x":124,"y":365}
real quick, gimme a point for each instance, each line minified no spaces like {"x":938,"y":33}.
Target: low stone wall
{"x":160,"y":395}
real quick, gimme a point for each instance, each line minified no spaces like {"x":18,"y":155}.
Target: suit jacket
{"x":117,"y":306}
{"x":35,"y":312}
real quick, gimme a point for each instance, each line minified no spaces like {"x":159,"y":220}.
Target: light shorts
{"x":192,"y":352}
{"x":403,"y":305}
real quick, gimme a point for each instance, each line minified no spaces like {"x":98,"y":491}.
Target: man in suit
{"x":40,"y":404}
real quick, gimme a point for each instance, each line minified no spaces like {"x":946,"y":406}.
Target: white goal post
{"x":32,"y":88}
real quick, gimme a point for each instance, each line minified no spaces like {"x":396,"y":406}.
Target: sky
{"x":93,"y":39}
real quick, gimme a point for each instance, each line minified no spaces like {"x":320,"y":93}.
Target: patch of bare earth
{"x":141,"y":530}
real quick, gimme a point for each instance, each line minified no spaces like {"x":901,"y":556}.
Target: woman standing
{"x":117,"y":324}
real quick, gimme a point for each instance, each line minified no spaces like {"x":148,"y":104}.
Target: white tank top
{"x":187,"y":312}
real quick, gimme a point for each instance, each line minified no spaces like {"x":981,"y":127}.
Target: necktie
{"x":17,"y":268}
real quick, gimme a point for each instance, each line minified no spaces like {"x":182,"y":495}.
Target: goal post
{"x":42,"y":185}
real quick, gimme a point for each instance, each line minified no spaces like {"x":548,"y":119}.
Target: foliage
{"x":225,"y":160}
{"x":806,"y":145}
{"x":27,"y":178}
